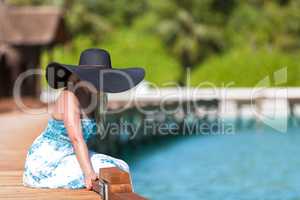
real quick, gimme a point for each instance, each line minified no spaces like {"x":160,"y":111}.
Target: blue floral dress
{"x":51,"y":161}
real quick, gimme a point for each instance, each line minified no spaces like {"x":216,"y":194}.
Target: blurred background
{"x":227,"y":44}
{"x":218,"y":40}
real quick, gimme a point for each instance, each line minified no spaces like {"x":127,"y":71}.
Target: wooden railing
{"x":115,"y":184}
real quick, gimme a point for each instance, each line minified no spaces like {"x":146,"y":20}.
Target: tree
{"x":189,"y":41}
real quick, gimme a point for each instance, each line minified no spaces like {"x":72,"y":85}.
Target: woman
{"x":59,"y":157}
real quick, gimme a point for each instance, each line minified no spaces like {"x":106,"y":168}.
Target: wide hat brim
{"x":111,"y":80}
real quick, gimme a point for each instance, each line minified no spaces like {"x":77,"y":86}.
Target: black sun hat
{"x":95,"y":68}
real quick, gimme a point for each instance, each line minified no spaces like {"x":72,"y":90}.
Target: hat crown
{"x":95,"y":57}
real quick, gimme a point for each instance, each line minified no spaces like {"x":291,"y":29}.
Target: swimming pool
{"x":251,"y":164}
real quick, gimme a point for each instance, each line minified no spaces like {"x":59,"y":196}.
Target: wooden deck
{"x":17,"y":131}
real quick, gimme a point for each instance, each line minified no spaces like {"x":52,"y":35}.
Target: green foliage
{"x":188,"y":41}
{"x":80,"y":21}
{"x":121,"y":12}
{"x":268,"y":24}
{"x":187,"y":37}
{"x":257,"y":35}
{"x":97,"y":18}
{"x":246,"y":67}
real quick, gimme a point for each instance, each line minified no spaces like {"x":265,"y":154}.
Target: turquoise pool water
{"x":252,"y":164}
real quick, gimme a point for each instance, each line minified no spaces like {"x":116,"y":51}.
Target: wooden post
{"x":115,"y":184}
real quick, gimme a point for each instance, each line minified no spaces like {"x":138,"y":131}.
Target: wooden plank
{"x":30,"y":193}
{"x":10,"y":178}
{"x":11,"y":187}
{"x":114,"y":175}
{"x":126,"y":196}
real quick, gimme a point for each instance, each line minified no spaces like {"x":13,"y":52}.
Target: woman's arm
{"x":71,"y":118}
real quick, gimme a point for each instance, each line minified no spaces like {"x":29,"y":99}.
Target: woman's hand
{"x":88,"y":180}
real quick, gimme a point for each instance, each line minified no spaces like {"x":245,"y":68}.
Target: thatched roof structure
{"x":41,"y":26}
{"x":24,"y":33}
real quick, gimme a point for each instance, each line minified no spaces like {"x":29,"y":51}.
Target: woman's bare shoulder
{"x":67,"y":95}
{"x":65,"y":100}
